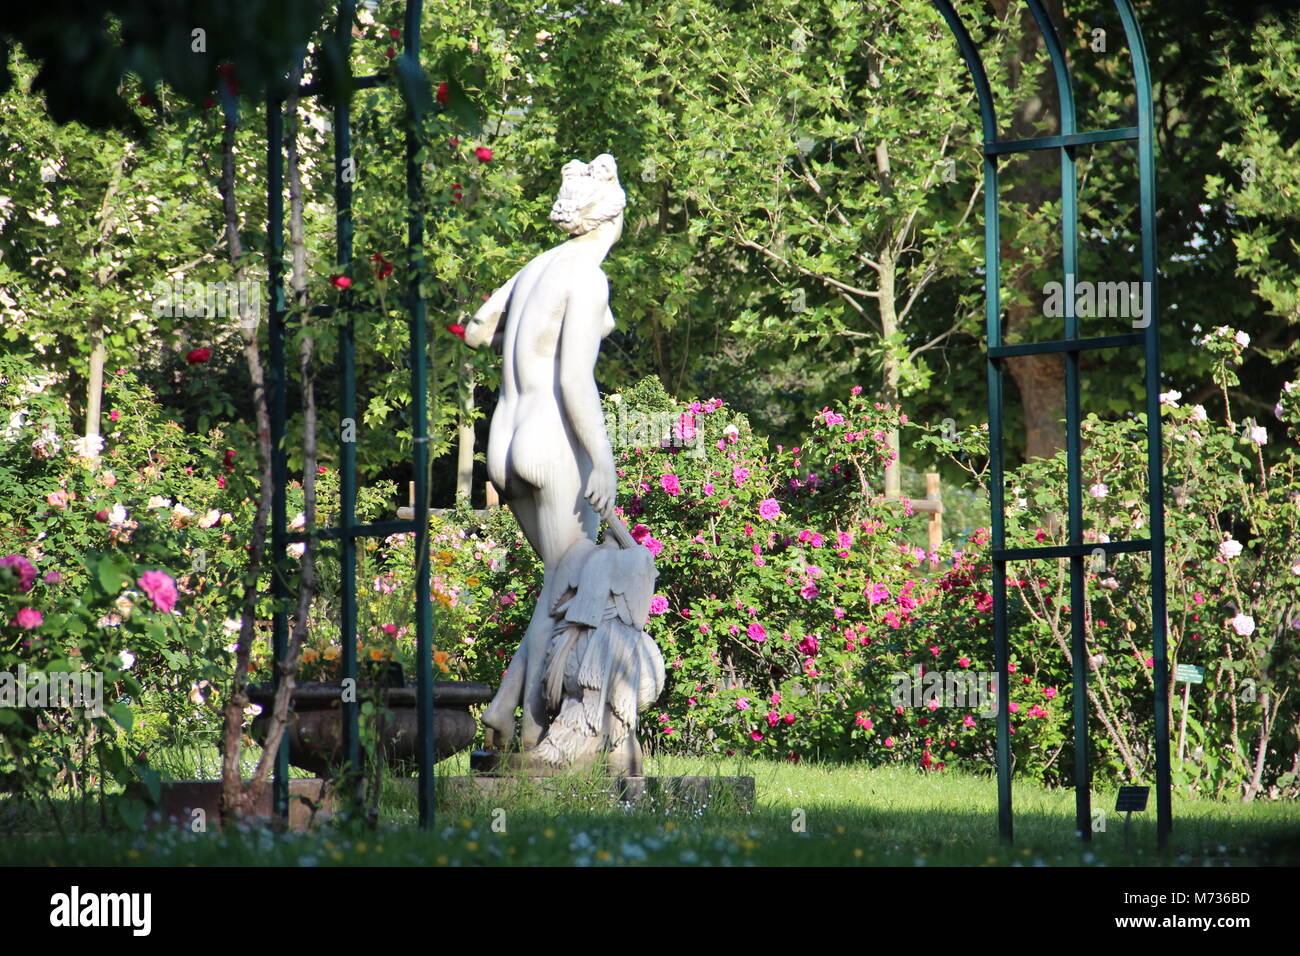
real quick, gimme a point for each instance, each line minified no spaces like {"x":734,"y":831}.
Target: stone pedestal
{"x":685,"y":793}
{"x":183,"y":802}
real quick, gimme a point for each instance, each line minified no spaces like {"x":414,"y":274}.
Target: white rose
{"x":1230,"y":548}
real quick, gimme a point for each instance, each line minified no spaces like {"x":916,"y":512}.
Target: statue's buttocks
{"x":532,"y":434}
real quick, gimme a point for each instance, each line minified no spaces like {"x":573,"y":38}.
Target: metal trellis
{"x":348,"y":531}
{"x":1070,"y":346}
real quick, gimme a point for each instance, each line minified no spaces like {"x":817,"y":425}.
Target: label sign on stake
{"x":1189,"y":674}
{"x":1130,"y":800}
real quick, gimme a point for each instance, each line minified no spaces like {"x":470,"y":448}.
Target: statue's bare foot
{"x":498,"y":729}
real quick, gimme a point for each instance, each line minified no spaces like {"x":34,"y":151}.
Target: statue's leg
{"x":555,"y":519}
{"x":499,"y":716}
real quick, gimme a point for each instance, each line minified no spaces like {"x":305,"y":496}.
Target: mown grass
{"x":803,"y":815}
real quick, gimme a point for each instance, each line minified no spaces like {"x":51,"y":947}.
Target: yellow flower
{"x":602,"y":855}
{"x":472,"y":845}
{"x":440,"y":657}
{"x":331,"y":653}
{"x":445,"y":558}
{"x":309,"y":655}
{"x":472,"y":582}
{"x":376,"y":653}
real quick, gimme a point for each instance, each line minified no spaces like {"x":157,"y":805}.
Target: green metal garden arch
{"x":347,"y":532}
{"x":1070,"y":345}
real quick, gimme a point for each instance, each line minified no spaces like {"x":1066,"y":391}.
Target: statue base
{"x":498,"y":776}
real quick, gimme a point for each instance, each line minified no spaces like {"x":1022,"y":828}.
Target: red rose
{"x":390,"y":53}
{"x":321,"y":469}
{"x":394,"y":33}
{"x":457,"y":330}
{"x":455,"y":192}
{"x":198,"y":356}
{"x":442,"y":93}
{"x":484,"y":154}
{"x":454,"y":141}
{"x":340,"y":282}
{"x":102,"y":515}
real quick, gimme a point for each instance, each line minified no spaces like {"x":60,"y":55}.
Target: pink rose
{"x":658,"y":604}
{"x":160,"y":589}
{"x":20,"y":567}
{"x":29,"y":618}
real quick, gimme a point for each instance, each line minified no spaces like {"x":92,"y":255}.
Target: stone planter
{"x":315,"y":731}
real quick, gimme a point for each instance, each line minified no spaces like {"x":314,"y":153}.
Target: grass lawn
{"x":803,"y":815}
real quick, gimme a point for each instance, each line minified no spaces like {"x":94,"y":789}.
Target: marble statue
{"x":585,"y":666}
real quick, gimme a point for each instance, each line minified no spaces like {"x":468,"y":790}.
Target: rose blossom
{"x":160,"y":588}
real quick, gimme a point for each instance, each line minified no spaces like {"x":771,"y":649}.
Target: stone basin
{"x":315,"y":731}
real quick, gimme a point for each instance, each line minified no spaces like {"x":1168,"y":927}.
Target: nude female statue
{"x":551,"y":459}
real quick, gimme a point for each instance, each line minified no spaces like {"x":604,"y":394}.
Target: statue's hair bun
{"x":589,"y":195}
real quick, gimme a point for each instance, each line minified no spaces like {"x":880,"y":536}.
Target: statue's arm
{"x":584,"y":320}
{"x":482,"y":329}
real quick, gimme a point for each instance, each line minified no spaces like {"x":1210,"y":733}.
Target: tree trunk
{"x":232,"y":793}
{"x":95,"y":378}
{"x":890,"y":369}
{"x":465,"y":436}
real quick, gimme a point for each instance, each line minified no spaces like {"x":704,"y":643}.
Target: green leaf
{"x":111,"y":574}
{"x":122,"y":715}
